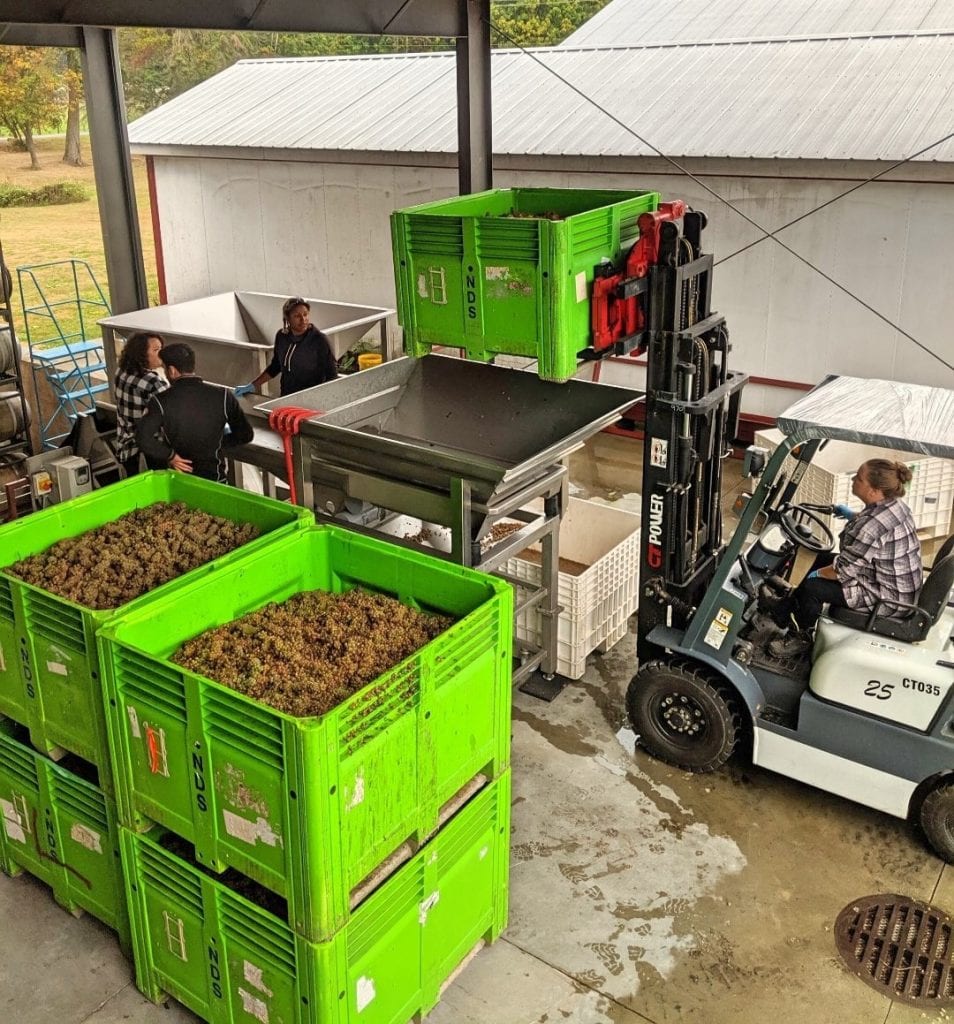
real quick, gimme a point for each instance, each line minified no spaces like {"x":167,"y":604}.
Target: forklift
{"x":868,"y":713}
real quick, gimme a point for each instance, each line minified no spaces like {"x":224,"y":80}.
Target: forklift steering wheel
{"x":799,"y":523}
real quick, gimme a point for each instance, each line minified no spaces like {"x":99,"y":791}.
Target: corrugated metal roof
{"x":834,"y":98}
{"x":632,"y":22}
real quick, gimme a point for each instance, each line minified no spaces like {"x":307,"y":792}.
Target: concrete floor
{"x":639,"y":892}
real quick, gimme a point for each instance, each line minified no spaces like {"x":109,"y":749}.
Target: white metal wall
{"x":322,"y":229}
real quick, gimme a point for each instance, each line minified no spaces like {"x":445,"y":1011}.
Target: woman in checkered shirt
{"x":879,"y":555}
{"x":136,"y":382}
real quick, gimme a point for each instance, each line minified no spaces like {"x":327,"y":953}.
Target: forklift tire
{"x":682,"y":717}
{"x":937,"y":820}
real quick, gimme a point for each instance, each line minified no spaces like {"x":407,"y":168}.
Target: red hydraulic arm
{"x":616,"y":314}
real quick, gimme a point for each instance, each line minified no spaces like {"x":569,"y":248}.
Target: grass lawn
{"x":45,"y":234}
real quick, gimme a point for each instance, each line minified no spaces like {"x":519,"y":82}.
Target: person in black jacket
{"x":184,"y":428}
{"x":302,"y":353}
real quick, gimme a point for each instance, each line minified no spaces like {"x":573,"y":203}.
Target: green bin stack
{"x":50,"y":676}
{"x":328,"y":869}
{"x":59,"y":826}
{"x":510,"y":271}
{"x":58,"y":816}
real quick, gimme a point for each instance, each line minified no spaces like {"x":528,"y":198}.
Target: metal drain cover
{"x":899,"y":946}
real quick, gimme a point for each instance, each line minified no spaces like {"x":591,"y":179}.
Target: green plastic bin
{"x":49,"y":668}
{"x":231,"y":962}
{"x":492,"y":273}
{"x":63,"y":829}
{"x":309,"y":807}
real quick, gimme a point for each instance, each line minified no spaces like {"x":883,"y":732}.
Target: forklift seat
{"x":944,"y":550}
{"x":912,"y":622}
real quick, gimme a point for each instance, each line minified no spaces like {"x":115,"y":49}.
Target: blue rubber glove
{"x":844,"y":512}
{"x":814,"y":575}
{"x":243,"y":389}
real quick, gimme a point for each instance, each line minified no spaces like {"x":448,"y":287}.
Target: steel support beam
{"x":106,"y":112}
{"x":361,"y":17}
{"x":39,"y":35}
{"x":474,"y":123}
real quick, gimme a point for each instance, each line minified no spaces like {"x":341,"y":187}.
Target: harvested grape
{"x":313,"y":651}
{"x":121,"y":560}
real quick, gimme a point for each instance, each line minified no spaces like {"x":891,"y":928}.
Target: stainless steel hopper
{"x":434,"y":421}
{"x":233,"y":333}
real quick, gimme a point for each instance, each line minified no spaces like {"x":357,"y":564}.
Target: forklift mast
{"x":692,"y":414}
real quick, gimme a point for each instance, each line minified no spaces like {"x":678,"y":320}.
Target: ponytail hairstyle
{"x":887,"y":476}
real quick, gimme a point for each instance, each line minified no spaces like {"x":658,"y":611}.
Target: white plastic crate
{"x":598,"y":602}
{"x":930,"y":494}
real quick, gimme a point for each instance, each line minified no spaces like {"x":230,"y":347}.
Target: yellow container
{"x":368,"y":359}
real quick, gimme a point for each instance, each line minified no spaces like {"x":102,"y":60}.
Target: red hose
{"x":287,"y":422}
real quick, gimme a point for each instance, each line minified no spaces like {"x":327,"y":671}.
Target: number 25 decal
{"x":881,"y":691}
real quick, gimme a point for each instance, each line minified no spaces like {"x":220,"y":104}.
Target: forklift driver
{"x":879,"y":558}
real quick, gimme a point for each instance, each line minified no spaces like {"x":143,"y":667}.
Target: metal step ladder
{"x":65,"y":301}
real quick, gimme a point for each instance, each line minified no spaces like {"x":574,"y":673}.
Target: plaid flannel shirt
{"x":133,"y":392}
{"x":880,"y":556}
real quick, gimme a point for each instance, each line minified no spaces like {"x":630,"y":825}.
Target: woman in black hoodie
{"x":302,"y":353}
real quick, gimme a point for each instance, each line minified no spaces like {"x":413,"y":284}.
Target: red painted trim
{"x":156,"y":230}
{"x":748,"y":423}
{"x":771,"y":382}
{"x":774,"y":382}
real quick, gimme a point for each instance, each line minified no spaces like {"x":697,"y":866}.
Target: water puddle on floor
{"x":608,"y":861}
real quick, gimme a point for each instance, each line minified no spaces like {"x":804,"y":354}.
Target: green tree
{"x":73,"y":79}
{"x":30,"y":94}
{"x":529,"y":23}
{"x":159,"y":64}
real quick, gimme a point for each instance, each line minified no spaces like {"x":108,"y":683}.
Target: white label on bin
{"x":253,"y":975}
{"x":175,"y":936}
{"x":426,"y":906}
{"x":12,"y":822}
{"x":497,"y":273}
{"x":86,"y":837}
{"x":133,"y":721}
{"x":58,"y":661}
{"x":357,"y":797}
{"x":250,"y":832}
{"x":253,"y":1006}
{"x":3,"y":664}
{"x":581,"y":290}
{"x":364,"y":992}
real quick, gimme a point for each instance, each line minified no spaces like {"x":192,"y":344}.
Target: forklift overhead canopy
{"x":885,"y":413}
